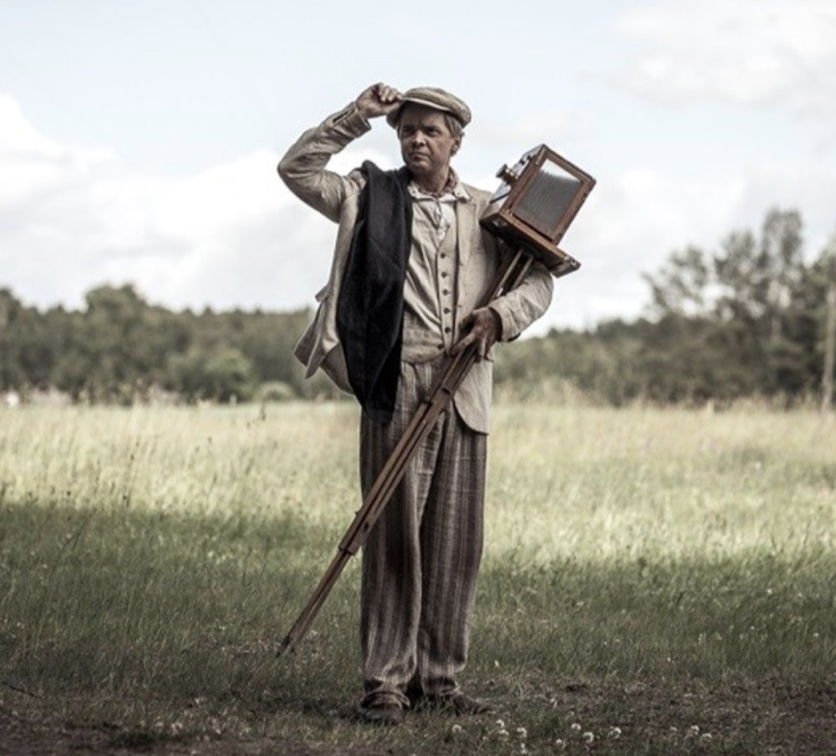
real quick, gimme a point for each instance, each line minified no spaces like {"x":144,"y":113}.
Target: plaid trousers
{"x":421,"y":559}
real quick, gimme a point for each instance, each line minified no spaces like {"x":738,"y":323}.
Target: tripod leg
{"x":315,"y":602}
{"x":451,"y":377}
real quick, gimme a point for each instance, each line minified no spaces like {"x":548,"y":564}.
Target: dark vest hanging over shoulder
{"x":370,"y":305}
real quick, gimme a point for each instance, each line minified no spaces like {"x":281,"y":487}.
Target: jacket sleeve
{"x":303,"y":168}
{"x":520,"y":307}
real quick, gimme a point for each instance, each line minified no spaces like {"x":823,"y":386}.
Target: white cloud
{"x":748,"y":51}
{"x":629,"y":225}
{"x":33,"y":165}
{"x":17,"y":135}
{"x":230,"y":236}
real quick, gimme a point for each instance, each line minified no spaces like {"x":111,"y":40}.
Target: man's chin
{"x":417,"y":162}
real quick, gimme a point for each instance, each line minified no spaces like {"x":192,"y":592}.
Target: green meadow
{"x":654,"y":582}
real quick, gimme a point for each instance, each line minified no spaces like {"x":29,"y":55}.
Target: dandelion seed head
{"x":456,"y":728}
{"x":588,"y":737}
{"x":575,"y":727}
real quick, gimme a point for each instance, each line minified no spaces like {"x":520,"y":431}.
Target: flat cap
{"x":432,"y":97}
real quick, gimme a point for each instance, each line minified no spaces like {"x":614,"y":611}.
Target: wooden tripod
{"x":452,"y":374}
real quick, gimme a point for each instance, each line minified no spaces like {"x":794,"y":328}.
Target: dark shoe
{"x":383,"y":714}
{"x":457,"y":704}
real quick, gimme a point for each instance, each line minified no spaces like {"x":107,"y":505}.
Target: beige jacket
{"x":304,"y":171}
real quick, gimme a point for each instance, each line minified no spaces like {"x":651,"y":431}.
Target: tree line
{"x":120,"y":349}
{"x":749,"y":319}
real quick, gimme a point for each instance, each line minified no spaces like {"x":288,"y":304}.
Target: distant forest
{"x":751,"y":319}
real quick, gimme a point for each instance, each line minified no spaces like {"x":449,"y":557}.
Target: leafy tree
{"x":11,"y":373}
{"x":222,"y":375}
{"x":681,"y":287}
{"x":744,"y":319}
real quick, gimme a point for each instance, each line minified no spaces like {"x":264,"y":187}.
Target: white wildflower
{"x":588,"y":737}
{"x":575,"y":727}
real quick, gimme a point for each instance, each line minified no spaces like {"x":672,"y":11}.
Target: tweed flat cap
{"x":432,"y":97}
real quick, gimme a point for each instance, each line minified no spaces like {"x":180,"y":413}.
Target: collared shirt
{"x":430,"y":288}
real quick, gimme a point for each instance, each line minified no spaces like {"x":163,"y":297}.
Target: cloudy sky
{"x":138,"y":140}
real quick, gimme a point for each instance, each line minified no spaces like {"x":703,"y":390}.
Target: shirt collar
{"x":454,"y":189}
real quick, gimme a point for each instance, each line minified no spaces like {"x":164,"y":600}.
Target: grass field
{"x":654,"y":582}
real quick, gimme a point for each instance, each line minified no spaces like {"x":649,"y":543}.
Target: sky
{"x":139,"y":141}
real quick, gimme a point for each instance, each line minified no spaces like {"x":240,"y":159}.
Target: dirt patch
{"x":33,"y":735}
{"x":768,"y":719}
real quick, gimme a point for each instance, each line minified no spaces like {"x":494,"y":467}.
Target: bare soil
{"x":767,"y":720}
{"x":38,"y":736}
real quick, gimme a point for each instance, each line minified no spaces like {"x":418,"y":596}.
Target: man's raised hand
{"x":378,"y":100}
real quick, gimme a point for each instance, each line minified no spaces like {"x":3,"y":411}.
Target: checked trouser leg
{"x":421,"y":559}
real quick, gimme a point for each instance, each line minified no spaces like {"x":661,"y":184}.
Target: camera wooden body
{"x":538,"y":198}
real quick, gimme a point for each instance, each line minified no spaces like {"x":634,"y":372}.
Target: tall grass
{"x":151,"y":559}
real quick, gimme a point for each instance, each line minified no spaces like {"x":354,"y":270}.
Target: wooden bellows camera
{"x":537,"y":200}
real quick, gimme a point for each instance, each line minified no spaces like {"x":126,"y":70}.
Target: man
{"x":410,"y":266}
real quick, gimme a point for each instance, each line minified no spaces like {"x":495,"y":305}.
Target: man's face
{"x":426,"y":141}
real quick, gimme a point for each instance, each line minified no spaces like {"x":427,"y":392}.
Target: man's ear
{"x":456,"y":145}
